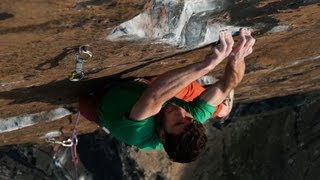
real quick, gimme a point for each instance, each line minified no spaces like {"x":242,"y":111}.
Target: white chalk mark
{"x":51,"y":134}
{"x":280,"y":28}
{"x":18,"y":122}
{"x":298,"y":62}
{"x":179,"y":23}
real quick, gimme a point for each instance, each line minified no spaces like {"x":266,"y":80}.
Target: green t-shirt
{"x":117,"y":103}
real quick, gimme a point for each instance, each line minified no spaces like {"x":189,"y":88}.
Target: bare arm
{"x":169,"y":84}
{"x":234,"y":71}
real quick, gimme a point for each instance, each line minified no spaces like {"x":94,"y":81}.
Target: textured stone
{"x":36,"y":52}
{"x":276,"y":138}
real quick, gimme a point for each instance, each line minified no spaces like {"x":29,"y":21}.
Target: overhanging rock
{"x":148,"y":38}
{"x":186,"y":24}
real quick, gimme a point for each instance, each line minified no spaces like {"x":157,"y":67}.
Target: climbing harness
{"x":80,"y":56}
{"x":72,"y":142}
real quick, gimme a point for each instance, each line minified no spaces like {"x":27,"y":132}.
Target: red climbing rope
{"x":74,"y":154}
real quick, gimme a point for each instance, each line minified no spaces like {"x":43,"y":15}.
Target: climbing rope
{"x":74,"y":154}
{"x":72,"y":142}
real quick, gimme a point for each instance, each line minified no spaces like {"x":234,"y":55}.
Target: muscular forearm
{"x":234,"y":73}
{"x":216,"y":93}
{"x":169,"y":84}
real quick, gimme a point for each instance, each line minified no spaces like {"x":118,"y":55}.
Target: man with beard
{"x":170,"y":111}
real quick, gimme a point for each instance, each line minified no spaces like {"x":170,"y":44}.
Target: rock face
{"x":272,"y":139}
{"x":148,"y":38}
{"x":101,"y":157}
{"x":36,"y":48}
{"x":185,"y":24}
{"x":276,"y":138}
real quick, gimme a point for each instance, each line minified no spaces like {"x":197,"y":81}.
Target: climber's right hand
{"x":221,"y":51}
{"x":235,"y":68}
{"x":245,"y":46}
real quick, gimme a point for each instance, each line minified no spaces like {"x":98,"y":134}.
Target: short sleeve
{"x":198,"y":108}
{"x":114,"y":110}
{"x":137,"y":133}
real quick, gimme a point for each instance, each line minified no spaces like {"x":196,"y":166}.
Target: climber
{"x":169,"y":111}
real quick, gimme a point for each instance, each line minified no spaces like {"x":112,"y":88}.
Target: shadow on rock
{"x":246,"y":13}
{"x":66,"y":92}
{"x":54,"y":62}
{"x":277,"y":138}
{"x":5,"y":15}
{"x":106,"y":158}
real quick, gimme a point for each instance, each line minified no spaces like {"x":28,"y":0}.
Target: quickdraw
{"x":80,"y":56}
{"x":72,"y":142}
{"x":67,"y":143}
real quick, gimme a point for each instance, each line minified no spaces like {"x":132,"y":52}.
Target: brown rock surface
{"x":35,"y":65}
{"x":276,"y":138}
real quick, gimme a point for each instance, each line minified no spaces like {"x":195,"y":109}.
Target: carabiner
{"x":74,"y":76}
{"x":75,"y":140}
{"x":80,"y":56}
{"x":84,"y":53}
{"x":67,"y":143}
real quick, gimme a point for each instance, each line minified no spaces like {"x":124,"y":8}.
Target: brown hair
{"x":186,"y":146}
